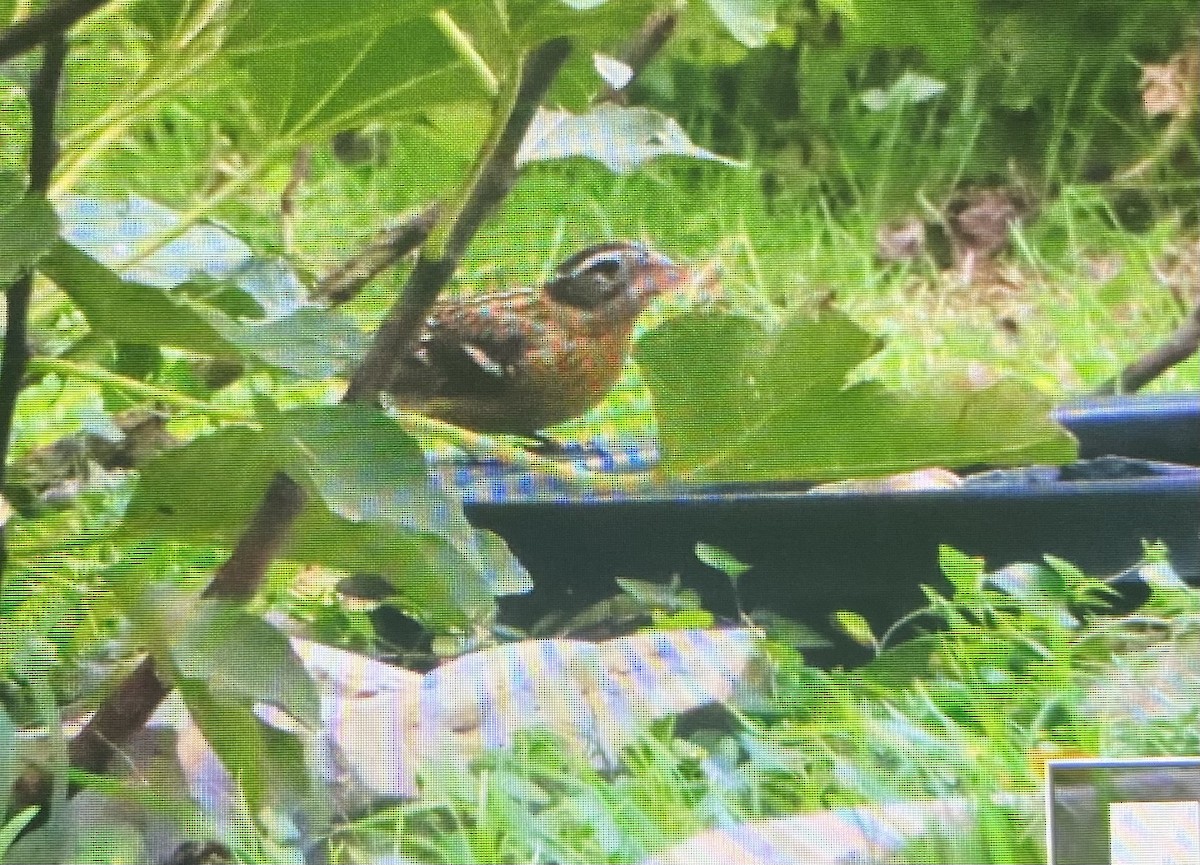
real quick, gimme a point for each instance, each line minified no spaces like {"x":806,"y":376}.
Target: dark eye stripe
{"x":608,"y":258}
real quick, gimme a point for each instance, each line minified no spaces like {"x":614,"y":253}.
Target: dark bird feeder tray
{"x":812,"y":553}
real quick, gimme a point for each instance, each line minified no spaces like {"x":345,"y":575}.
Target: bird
{"x":516,"y":362}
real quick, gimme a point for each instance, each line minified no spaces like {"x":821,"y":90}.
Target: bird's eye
{"x":609,"y":267}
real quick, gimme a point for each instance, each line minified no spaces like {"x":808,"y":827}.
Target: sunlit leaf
{"x":748,"y":21}
{"x":237,"y":653}
{"x":620,"y":138}
{"x":855,"y":627}
{"x":313,"y":342}
{"x":721,"y":560}
{"x":372,"y":508}
{"x":311,"y":82}
{"x":774,"y":405}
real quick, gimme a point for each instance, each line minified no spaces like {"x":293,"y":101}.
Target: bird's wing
{"x":479,"y":348}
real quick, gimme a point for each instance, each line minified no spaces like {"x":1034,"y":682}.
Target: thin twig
{"x":43,"y":150}
{"x":51,"y":22}
{"x":643,"y":48}
{"x":383,"y":250}
{"x":301,"y":170}
{"x":1181,"y":345}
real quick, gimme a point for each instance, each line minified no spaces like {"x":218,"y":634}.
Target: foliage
{"x":179,"y":241}
{"x":1002,"y":676}
{"x":879,"y":102}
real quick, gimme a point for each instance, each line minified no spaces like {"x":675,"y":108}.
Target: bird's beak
{"x":664,"y":276}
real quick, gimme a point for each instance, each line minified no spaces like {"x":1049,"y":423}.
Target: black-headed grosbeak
{"x":519,"y":361}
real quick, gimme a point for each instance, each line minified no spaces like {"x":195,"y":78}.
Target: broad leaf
{"x":268,"y":763}
{"x":372,"y":507}
{"x":306,"y":82}
{"x":237,"y":654}
{"x":312,"y":342}
{"x":133,"y":312}
{"x":620,"y":138}
{"x":201,"y":254}
{"x":590,"y":23}
{"x":775,"y":406}
{"x":27,"y":229}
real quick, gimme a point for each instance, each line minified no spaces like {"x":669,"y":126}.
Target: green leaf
{"x":373,"y":507}
{"x":748,"y":21}
{"x":27,"y":230}
{"x":855,"y":627}
{"x":775,"y":406}
{"x":317,"y":343}
{"x":132,"y":312}
{"x":656,"y":596}
{"x":965,"y":573}
{"x":308,"y":80}
{"x":312,"y":342}
{"x":681,"y":620}
{"x":781,"y":629}
{"x":590,"y":23}
{"x":622,"y":139}
{"x":52,"y":409}
{"x":236,"y":653}
{"x":267,"y":763}
{"x":720,"y":560}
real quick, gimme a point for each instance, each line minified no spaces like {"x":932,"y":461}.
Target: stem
{"x":201,"y":211}
{"x":466,"y":49}
{"x":1179,"y":346}
{"x":49,"y":24}
{"x":43,"y":151}
{"x":99,"y":375}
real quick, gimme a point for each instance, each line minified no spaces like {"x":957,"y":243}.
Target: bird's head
{"x":616,"y":271}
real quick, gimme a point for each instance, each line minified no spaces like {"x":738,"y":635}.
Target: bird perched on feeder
{"x":519,"y":361}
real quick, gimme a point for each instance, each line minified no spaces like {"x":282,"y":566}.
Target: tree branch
{"x":643,"y":48}
{"x":1181,"y":345}
{"x":381,"y":252}
{"x":51,"y":22}
{"x":43,"y":152}
{"x":395,"y":242}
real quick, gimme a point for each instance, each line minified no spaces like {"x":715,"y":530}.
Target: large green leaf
{"x":129,"y":311}
{"x":317,"y":343}
{"x":735,"y":402}
{"x":372,"y":507}
{"x":268,"y":25}
{"x":620,"y":138}
{"x":268,"y":763}
{"x":237,"y":654}
{"x":307,"y":82}
{"x":27,"y":229}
